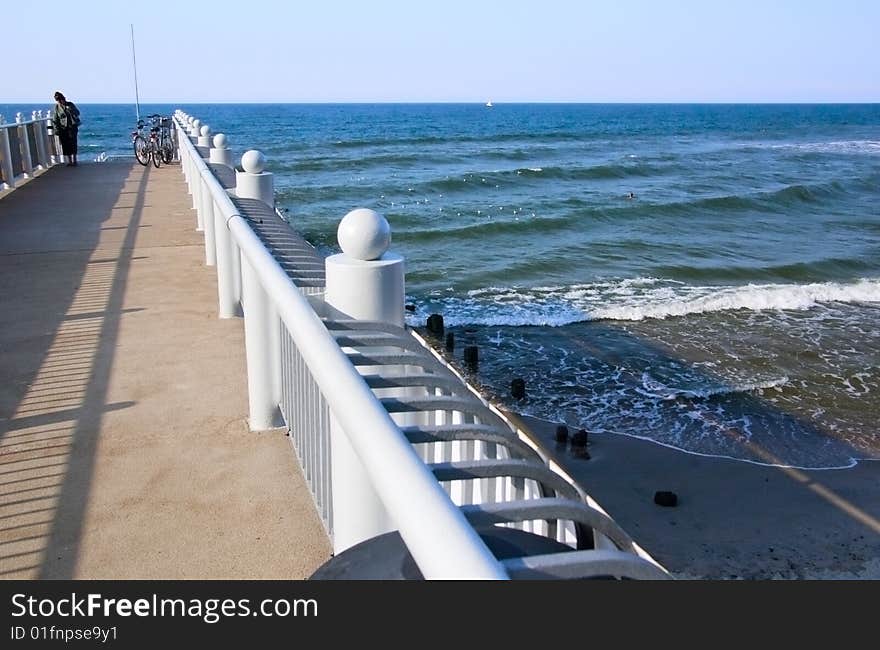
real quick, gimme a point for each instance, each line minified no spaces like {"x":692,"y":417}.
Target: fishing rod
{"x":137,"y":100}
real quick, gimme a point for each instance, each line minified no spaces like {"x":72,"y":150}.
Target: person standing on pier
{"x":66,"y":122}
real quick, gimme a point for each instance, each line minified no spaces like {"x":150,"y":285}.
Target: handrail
{"x":26,"y":148}
{"x":437,"y":534}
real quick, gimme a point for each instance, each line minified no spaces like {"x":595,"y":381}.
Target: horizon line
{"x":478,"y":102}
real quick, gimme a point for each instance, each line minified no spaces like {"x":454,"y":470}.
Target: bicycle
{"x":159,"y":147}
{"x":142,"y":149}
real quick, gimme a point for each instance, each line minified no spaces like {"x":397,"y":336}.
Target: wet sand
{"x":734,"y":520}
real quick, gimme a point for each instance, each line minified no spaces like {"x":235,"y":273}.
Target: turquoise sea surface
{"x":730,"y":306}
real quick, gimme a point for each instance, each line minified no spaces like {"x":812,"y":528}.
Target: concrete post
{"x":258,"y":321}
{"x":43,"y":125}
{"x":204,"y":136}
{"x":363,"y":282}
{"x":24,"y":139}
{"x":41,"y":160}
{"x":228,"y":307}
{"x":6,"y":155}
{"x":198,"y":190}
{"x":51,"y":142}
{"x":254,"y":182}
{"x":207,"y":213}
{"x":220,"y":153}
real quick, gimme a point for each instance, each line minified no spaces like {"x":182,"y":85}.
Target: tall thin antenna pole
{"x":137,"y":99}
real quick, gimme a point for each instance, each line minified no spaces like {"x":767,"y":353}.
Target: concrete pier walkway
{"x":124,"y":448}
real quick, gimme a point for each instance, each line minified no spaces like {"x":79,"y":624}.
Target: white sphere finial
{"x":197,"y":124}
{"x":205,"y":130}
{"x":253,"y":161}
{"x":220,"y":141}
{"x":364,"y":234}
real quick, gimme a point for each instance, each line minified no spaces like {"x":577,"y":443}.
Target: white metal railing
{"x":441,"y":541}
{"x":26,"y":147}
{"x":411,"y":447}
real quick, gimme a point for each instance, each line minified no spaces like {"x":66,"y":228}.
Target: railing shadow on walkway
{"x":62,"y":280}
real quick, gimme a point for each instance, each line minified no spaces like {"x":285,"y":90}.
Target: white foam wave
{"x":656,"y":389}
{"x":837,"y":146}
{"x":640,"y":299}
{"x":751,"y":297}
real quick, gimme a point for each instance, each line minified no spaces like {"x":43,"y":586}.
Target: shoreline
{"x":734,"y":520}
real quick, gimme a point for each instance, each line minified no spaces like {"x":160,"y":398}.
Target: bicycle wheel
{"x":167,"y":152}
{"x":141,"y":151}
{"x":157,"y":156}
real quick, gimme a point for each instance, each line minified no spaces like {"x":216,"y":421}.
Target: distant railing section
{"x":389,"y":436}
{"x":26,"y":148}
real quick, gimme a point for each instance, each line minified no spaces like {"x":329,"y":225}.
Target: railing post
{"x":208,"y":224}
{"x":24,"y":139}
{"x":206,"y":208}
{"x":226,"y":298}
{"x":364,"y":282}
{"x":256,"y":183}
{"x":220,"y":153}
{"x":259,"y":319}
{"x":6,"y":155}
{"x":57,"y":158}
{"x":197,"y":182}
{"x":204,"y":136}
{"x":226,"y":252}
{"x":42,"y":158}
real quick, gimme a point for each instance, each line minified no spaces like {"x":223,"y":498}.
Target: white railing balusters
{"x":26,"y":149}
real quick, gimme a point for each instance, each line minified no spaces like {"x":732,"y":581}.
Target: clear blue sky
{"x":446,"y":50}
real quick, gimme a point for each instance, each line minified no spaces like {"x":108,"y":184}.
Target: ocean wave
{"x":636,"y":300}
{"x":520,"y":225}
{"x":751,"y":297}
{"x":779,"y":199}
{"x":799,"y":272}
{"x":526,"y":137}
{"x":655,"y":389}
{"x":870,"y":147}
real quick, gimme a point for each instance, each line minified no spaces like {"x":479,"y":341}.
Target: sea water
{"x":703,"y":276}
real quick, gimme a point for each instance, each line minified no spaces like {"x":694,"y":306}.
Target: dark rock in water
{"x":666,"y":499}
{"x":561,"y":434}
{"x":472,"y":356}
{"x":579,"y":444}
{"x":579,"y":439}
{"x":518,"y":388}
{"x":435,"y":324}
{"x":410,"y":307}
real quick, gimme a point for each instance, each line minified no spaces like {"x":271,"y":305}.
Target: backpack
{"x":72,"y":114}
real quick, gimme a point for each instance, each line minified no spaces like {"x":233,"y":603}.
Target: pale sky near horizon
{"x":450,"y":50}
